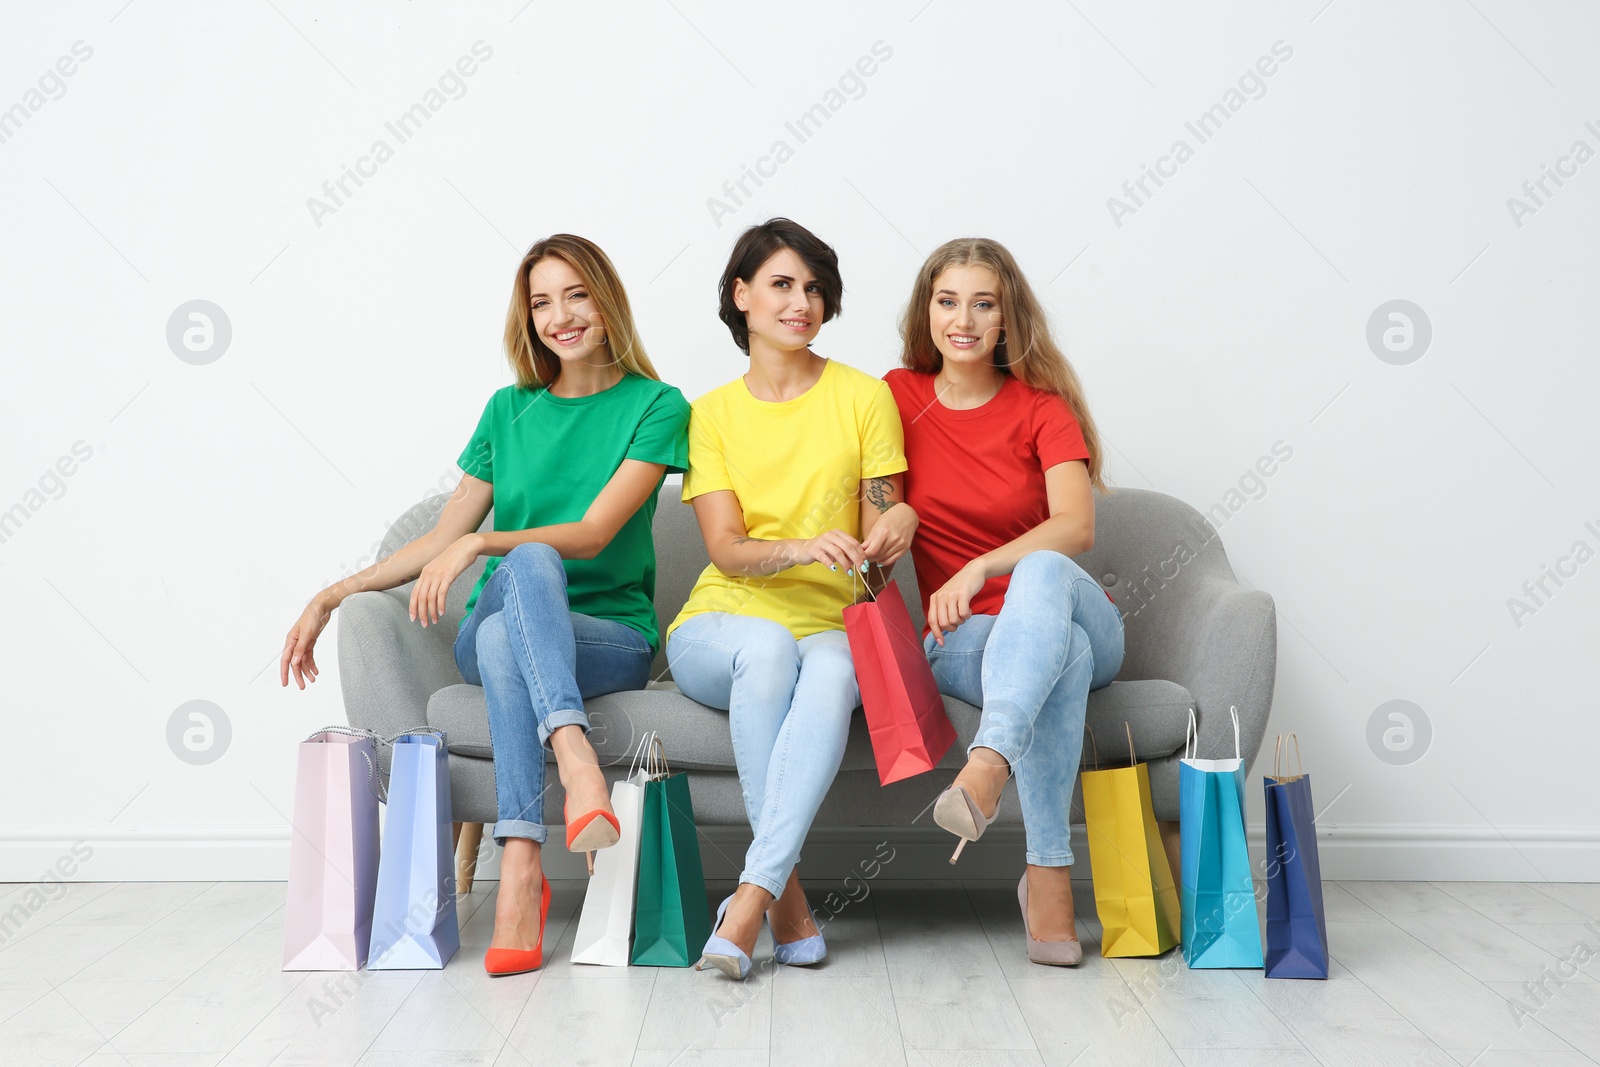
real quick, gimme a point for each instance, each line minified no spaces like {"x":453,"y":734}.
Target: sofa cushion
{"x":697,"y":738}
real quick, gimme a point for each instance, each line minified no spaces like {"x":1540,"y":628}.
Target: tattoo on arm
{"x":878,"y":490}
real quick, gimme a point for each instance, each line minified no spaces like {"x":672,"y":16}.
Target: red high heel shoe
{"x":503,"y":961}
{"x":592,"y":830}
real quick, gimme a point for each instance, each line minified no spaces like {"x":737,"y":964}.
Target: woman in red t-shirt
{"x":1003,"y":459}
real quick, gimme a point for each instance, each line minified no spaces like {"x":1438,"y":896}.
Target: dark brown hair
{"x":760,"y":243}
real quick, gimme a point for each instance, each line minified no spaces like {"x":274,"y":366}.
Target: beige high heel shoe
{"x":1067,"y":953}
{"x":956,"y":811}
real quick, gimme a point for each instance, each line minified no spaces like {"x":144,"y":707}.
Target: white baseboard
{"x":261,"y":853}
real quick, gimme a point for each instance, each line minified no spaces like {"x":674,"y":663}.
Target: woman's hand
{"x":433,"y":584}
{"x":952,"y":604}
{"x":302,"y":640}
{"x":891,"y":535}
{"x":835,"y":547}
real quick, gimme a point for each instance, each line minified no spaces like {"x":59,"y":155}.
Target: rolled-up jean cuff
{"x":775,"y":888}
{"x":557,"y":719}
{"x":1008,"y":752}
{"x":1053,"y":859}
{"x":532,"y":831}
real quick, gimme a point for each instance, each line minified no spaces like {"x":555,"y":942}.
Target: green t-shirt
{"x":548,"y":457}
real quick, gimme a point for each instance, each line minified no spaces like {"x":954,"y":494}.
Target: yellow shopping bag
{"x":1133,"y":887}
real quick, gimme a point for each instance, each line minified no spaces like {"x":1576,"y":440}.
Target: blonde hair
{"x":535,"y":364}
{"x":1027,"y":352}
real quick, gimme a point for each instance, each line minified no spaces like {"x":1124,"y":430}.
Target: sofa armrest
{"x":389,"y":666}
{"x":1220,"y":642}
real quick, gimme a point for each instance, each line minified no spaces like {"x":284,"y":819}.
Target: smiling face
{"x":565,"y":317}
{"x":964,"y":314}
{"x":783,"y":302}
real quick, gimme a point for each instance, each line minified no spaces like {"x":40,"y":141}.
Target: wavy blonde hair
{"x":1027,"y":352}
{"x":535,"y":364}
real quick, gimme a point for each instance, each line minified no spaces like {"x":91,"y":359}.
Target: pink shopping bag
{"x":333,"y":853}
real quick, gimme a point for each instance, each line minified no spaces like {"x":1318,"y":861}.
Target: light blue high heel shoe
{"x":723,"y":954}
{"x":799,"y":953}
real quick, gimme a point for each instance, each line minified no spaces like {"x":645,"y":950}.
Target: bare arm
{"x":888,"y":524}
{"x":463,"y":513}
{"x":622,"y":496}
{"x":1069,"y":530}
{"x":738,"y":555}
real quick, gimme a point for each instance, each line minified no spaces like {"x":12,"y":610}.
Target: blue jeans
{"x":536,"y":661}
{"x":1031,"y":668}
{"x":789,"y":704}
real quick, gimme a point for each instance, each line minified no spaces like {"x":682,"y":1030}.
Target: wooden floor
{"x":187,"y":974}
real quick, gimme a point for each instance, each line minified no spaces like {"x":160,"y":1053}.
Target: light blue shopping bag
{"x":1220,"y":927}
{"x":414,"y":920}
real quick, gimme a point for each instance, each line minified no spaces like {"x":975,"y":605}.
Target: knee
{"x":769,"y":652}
{"x":533,"y":554}
{"x":831,"y":660}
{"x":1047,"y":567}
{"x":536,"y":562}
{"x":493,"y":644}
{"x":835,"y":672}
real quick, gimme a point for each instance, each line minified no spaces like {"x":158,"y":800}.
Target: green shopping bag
{"x":671,"y":921}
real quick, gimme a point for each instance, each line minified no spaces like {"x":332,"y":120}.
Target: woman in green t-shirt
{"x":570,"y":459}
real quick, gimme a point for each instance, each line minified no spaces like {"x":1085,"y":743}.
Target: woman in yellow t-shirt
{"x":795,"y":474}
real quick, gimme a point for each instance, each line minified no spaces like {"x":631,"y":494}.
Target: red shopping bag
{"x":905,"y":715}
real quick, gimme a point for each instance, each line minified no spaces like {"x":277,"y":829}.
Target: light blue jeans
{"x":536,"y":661}
{"x":789,"y":704}
{"x":1031,"y":668}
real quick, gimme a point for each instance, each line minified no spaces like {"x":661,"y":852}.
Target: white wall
{"x":1227,"y":313}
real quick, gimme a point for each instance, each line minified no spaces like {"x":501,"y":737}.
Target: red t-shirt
{"x":976,"y":477}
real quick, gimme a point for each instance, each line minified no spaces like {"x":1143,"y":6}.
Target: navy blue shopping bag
{"x":1297,"y":930}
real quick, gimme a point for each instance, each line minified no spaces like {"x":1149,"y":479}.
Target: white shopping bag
{"x":605,"y":925}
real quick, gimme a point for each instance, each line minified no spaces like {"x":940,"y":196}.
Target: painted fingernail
{"x":847,"y":570}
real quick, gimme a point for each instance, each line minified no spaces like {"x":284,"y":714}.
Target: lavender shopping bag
{"x":333,"y":853}
{"x":414,"y":920}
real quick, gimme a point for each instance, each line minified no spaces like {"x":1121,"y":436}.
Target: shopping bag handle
{"x":1191,"y":735}
{"x":375,"y":780}
{"x":1280,"y":749}
{"x":864,"y":584}
{"x":636,"y":764}
{"x":1132,"y":759}
{"x":658,"y":767}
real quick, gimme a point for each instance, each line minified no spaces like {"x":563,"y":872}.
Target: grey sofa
{"x":1195,"y":637}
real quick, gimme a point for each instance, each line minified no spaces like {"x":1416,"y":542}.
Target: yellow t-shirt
{"x":796,"y":467}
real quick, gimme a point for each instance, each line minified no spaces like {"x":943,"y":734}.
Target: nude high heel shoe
{"x":1055,"y":953}
{"x":956,"y":811}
